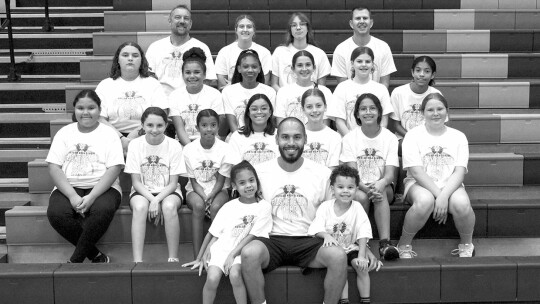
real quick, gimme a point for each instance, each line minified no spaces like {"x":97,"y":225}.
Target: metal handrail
{"x":47,"y":26}
{"x":12,"y":75}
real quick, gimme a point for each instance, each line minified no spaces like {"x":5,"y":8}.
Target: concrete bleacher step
{"x":61,"y":3}
{"x":8,"y":205}
{"x":17,"y":125}
{"x":420,"y":280}
{"x":44,"y":65}
{"x":59,"y":20}
{"x":34,"y":93}
{"x":42,"y":41}
{"x":404,"y":19}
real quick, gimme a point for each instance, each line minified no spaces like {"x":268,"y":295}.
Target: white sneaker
{"x":173,"y":260}
{"x":406,"y":252}
{"x":464,"y":250}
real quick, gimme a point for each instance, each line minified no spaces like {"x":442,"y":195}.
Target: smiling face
{"x":245,"y":30}
{"x":291,"y":139}
{"x":208,"y":127}
{"x":314,"y":108}
{"x":303,"y":68}
{"x":422,"y":74}
{"x":193,"y":75}
{"x":154,"y":126}
{"x":363,"y":66}
{"x":344,"y":188}
{"x":368,"y":112}
{"x":435,"y":113}
{"x":129,"y":59}
{"x":246,"y":184}
{"x":361,"y":22}
{"x":180,"y":22}
{"x":259,"y":112}
{"x":249,"y":68}
{"x":87,"y":113}
{"x":299,"y":28}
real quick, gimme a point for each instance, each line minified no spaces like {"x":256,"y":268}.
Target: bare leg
{"x":334,"y":260}
{"x":170,"y":206}
{"x":255,"y":257}
{"x":459,"y":206}
{"x":213,"y":276}
{"x":239,"y":289}
{"x":382,"y":217}
{"x":362,"y":281}
{"x":139,"y":207}
{"x":422,"y":207}
{"x":196,"y":204}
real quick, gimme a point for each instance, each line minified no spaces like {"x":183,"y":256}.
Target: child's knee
{"x":169,"y":208}
{"x":235,"y":275}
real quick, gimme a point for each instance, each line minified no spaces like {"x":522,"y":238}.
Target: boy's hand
{"x":330,"y":241}
{"x":362,"y":263}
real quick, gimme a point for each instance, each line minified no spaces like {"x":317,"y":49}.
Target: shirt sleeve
{"x":221,"y":62}
{"x":266,"y":61}
{"x":385,"y":101}
{"x":217,"y":102}
{"x":263,"y":222}
{"x":225,"y":97}
{"x":219,"y":222}
{"x":235,"y":145}
{"x":394,"y":101}
{"x":363,"y":226}
{"x":178,"y":165}
{"x":340,"y":102}
{"x":131,"y":159}
{"x":318,"y":224}
{"x":58,"y":150}
{"x":411,"y":151}
{"x":463,"y":151}
{"x":339,"y":65}
{"x":281,"y":100}
{"x":150,"y":57}
{"x":335,"y":151}
{"x":392,"y":158}
{"x":159,"y":98}
{"x":115,"y":153}
{"x":275,"y":62}
{"x":174,"y":101}
{"x":388,"y":66}
{"x":210,"y":68}
{"x":101,"y":92}
{"x":323,"y":66}
{"x":187,"y":161}
{"x":347,"y":151}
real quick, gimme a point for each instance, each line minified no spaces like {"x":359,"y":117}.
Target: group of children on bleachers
{"x":220,"y":135}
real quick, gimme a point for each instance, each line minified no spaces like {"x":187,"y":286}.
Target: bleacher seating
{"x":487,"y":53}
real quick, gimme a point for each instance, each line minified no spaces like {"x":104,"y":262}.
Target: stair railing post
{"x":12,"y":75}
{"x":47,"y":26}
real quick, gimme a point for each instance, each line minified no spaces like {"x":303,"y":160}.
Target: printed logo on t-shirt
{"x":173,"y":65}
{"x":242,"y":230}
{"x":155,"y":174}
{"x":190,"y":119}
{"x":130,"y":105}
{"x":206,"y":172}
{"x":370,"y":165}
{"x":294,"y":109}
{"x":437,"y":163}
{"x":413,"y":117}
{"x":239,"y":112}
{"x":258,"y":153}
{"x":81,"y":162}
{"x":341,"y":233}
{"x":315,"y":152}
{"x":289,"y":204}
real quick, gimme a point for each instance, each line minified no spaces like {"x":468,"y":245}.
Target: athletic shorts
{"x":291,"y":250}
{"x":137,"y":193}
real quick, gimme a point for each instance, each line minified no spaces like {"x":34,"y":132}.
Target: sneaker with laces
{"x":406,"y":252}
{"x":464,"y":251}
{"x":101,"y":258}
{"x":173,"y":260}
{"x":387,"y":251}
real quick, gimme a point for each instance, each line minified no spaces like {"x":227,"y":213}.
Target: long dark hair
{"x":310,"y":39}
{"x":237,"y":77}
{"x":143,"y":68}
{"x":247,"y":128}
{"x":430,"y":62}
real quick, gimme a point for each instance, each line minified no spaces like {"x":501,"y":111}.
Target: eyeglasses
{"x":301,"y":24}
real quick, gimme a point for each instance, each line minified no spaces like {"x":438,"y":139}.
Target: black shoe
{"x":101,"y":258}
{"x":387,"y":251}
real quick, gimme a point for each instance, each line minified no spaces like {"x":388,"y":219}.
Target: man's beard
{"x":291,"y":159}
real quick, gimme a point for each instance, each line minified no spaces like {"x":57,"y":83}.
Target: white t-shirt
{"x":282,"y":63}
{"x":323,"y":147}
{"x":348,"y":91}
{"x":384,"y":62}
{"x":155,"y":163}
{"x":235,"y":220}
{"x":123,"y":102}
{"x":294,"y":196}
{"x":370,"y":154}
{"x":203,"y":164}
{"x":438,"y":155}
{"x":85,"y":157}
{"x":257,"y":148}
{"x":289,"y":97}
{"x":347,"y":229}
{"x":236,"y":97}
{"x":406,"y":104}
{"x":228,"y":55}
{"x":188,"y":106}
{"x":165,"y":60}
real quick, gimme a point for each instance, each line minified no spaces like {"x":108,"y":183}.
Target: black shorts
{"x":351,"y":256}
{"x":174,"y":193}
{"x":291,"y":250}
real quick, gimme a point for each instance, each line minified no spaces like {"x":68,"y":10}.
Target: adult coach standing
{"x":165,"y":55}
{"x":295,"y":187}
{"x":361,"y":23}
